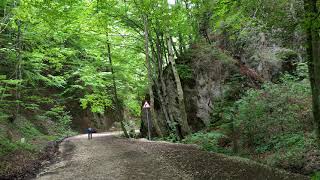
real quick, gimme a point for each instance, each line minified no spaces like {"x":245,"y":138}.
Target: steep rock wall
{"x":209,"y":77}
{"x":204,"y":73}
{"x":84,"y":118}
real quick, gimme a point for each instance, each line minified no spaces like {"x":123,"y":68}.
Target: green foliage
{"x":185,"y":72}
{"x":302,"y":70}
{"x":273,"y":121}
{"x":134,"y":106}
{"x":28,"y":130}
{"x":276,"y":104}
{"x":62,"y":120}
{"x":272,"y":124}
{"x":289,"y":149}
{"x":98,"y":103}
{"x":316,"y":176}
{"x":172,"y":137}
{"x":54,"y":55}
{"x":54,"y":124}
{"x":207,"y":141}
{"x":7,"y":146}
{"x":65,"y":60}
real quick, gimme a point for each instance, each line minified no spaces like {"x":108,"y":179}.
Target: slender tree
{"x":149,"y":69}
{"x":19,"y":63}
{"x":185,"y":129}
{"x":313,"y":51}
{"x":115,"y":93}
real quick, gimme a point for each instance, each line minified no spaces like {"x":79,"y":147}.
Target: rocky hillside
{"x":209,"y":76}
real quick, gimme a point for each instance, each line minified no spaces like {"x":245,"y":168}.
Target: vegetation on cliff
{"x":233,"y":76}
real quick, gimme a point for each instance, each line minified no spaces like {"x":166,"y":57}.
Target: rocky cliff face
{"x":204,"y":73}
{"x":84,"y":118}
{"x":210,"y":76}
{"x":270,"y":62}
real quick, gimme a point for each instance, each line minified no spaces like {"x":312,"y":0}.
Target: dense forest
{"x":240,"y":78}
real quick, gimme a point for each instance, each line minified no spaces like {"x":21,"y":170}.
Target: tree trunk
{"x":148,"y":64}
{"x":181,"y":44}
{"x":126,"y":134}
{"x":164,"y":50}
{"x":313,"y":51}
{"x":115,"y":93}
{"x":163,"y":84}
{"x":169,"y":117}
{"x":185,"y":129}
{"x":18,"y":67}
{"x":164,"y":125}
{"x":174,"y":47}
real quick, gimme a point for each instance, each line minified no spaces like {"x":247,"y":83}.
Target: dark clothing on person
{"x":89,"y":130}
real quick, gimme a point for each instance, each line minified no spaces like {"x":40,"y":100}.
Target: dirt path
{"x":110,"y":157}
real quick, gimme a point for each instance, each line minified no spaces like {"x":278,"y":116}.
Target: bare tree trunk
{"x":148,"y":64}
{"x":164,"y":125}
{"x":185,"y":129}
{"x":174,"y":48}
{"x":313,"y":51}
{"x":115,"y":93}
{"x":170,"y":120}
{"x":163,"y":84}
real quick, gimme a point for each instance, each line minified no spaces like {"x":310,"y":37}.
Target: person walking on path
{"x":89,"y":130}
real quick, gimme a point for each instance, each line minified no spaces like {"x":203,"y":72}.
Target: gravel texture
{"x":109,"y":157}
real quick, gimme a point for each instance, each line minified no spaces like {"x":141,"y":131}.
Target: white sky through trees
{"x":171,"y":1}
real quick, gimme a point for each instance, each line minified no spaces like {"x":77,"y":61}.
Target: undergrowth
{"x":272,"y":125}
{"x":208,"y":141}
{"x":33,"y":134}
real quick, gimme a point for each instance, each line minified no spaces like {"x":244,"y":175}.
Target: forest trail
{"x":109,"y":157}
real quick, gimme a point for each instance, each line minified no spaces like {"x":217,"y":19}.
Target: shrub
{"x":28,"y":130}
{"x":316,"y":176}
{"x":62,"y":120}
{"x":274,"y":124}
{"x":208,"y":141}
{"x":276,"y":113}
{"x":7,"y":146}
{"x":184,"y":71}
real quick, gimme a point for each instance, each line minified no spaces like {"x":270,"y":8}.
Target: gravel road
{"x":109,"y":157}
